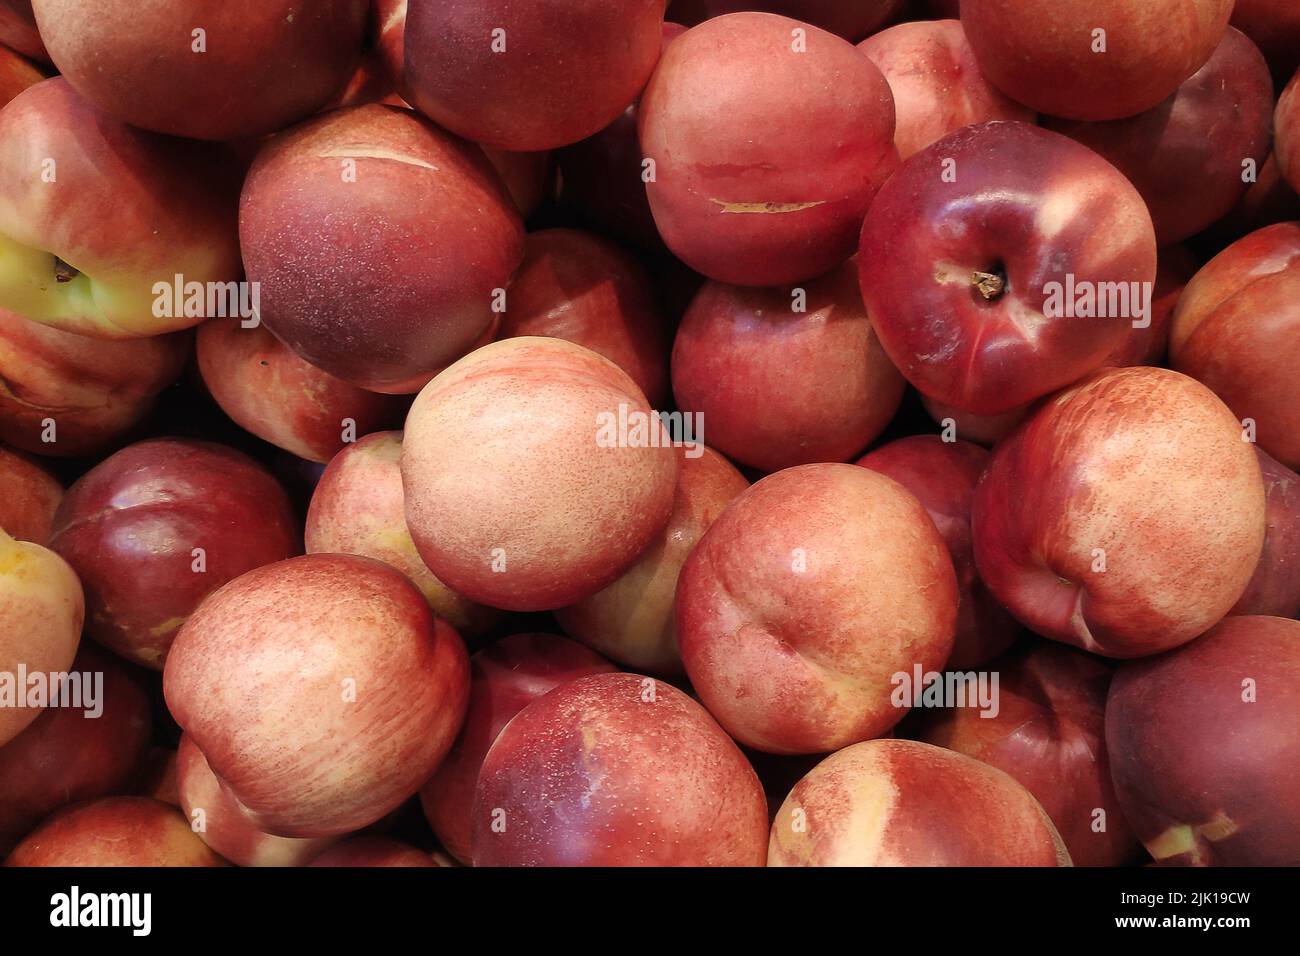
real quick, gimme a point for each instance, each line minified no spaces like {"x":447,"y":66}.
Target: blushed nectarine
{"x":617,"y":770}
{"x":903,"y":803}
{"x":1124,"y":516}
{"x":805,"y":598}
{"x":535,"y":474}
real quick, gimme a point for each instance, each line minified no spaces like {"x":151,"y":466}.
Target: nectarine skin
{"x":504,"y":678}
{"x":268,"y":390}
{"x":769,"y":140}
{"x":262,"y":65}
{"x":529,"y":74}
{"x":1186,"y":155}
{"x":344,"y":223}
{"x":943,"y":476}
{"x":515,"y":496}
{"x":631,"y":620}
{"x":962,"y":249}
{"x":360,"y":691}
{"x":67,"y":756}
{"x":851,"y":19}
{"x":1124,"y":516}
{"x":1092,"y":59}
{"x":806,"y":596}
{"x":115,"y":831}
{"x":1275,"y":588}
{"x":903,"y":803}
{"x":41,"y":615}
{"x":1049,"y":735}
{"x":936,"y":85}
{"x":617,"y":770}
{"x":359,"y":507}
{"x":155,"y":528}
{"x":1237,"y":329}
{"x":84,"y":241}
{"x":579,"y":287}
{"x":1204,"y":745}
{"x":823,"y":382}
{"x":216,"y":817}
{"x":29,"y":496}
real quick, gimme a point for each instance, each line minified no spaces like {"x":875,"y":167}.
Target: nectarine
{"x":98,"y":219}
{"x":1125,"y":515}
{"x":115,"y":831}
{"x":769,"y":138}
{"x":155,"y":528}
{"x":903,"y":803}
{"x":617,"y":770}
{"x":1092,"y":59}
{"x":344,"y":223}
{"x":986,"y":273}
{"x":535,"y":474}
{"x":1204,"y":745}
{"x":528,"y":74}
{"x":358,"y":689}
{"x":785,"y":376}
{"x":504,"y":678}
{"x":1237,"y":329}
{"x":205,"y":70}
{"x":808,"y":594}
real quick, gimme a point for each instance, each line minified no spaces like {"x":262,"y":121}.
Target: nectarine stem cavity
{"x":64,"y":272}
{"x":991,"y":285}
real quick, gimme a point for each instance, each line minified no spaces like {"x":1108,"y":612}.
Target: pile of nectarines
{"x":634,"y":432}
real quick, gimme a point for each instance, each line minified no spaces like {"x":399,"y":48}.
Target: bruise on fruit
{"x":766,"y":207}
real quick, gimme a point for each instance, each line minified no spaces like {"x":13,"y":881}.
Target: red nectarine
{"x":228,"y":70}
{"x":783,"y":377}
{"x":344,"y":223}
{"x":356,"y":691}
{"x":903,"y":803}
{"x":504,"y":678}
{"x":1092,"y":59}
{"x":768,"y":140}
{"x":1204,"y":745}
{"x":157,"y":527}
{"x":1237,"y":329}
{"x":986,"y":273}
{"x":1125,"y":515}
{"x":617,"y":770}
{"x":804,"y":600}
{"x":529,"y":74}
{"x":535,"y":474}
